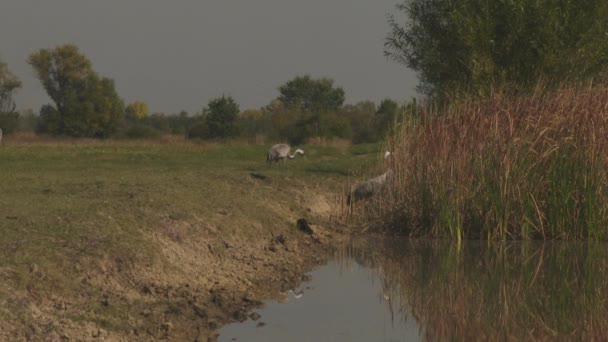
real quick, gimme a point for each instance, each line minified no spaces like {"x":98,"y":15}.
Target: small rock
{"x":167,"y":327}
{"x":304,"y":226}
{"x":280,"y":239}
{"x":200,"y":312}
{"x":260,"y":324}
{"x":258,"y":176}
{"x":240,"y":315}
{"x":146,"y":289}
{"x":255,"y":316}
{"x":101,"y":332}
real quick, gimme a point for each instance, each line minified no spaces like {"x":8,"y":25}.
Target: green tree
{"x":310,"y":104}
{"x":220,"y":115}
{"x":472,"y":45}
{"x":9,"y":83}
{"x":28,"y":120}
{"x":386,"y":114}
{"x":85,"y":104}
{"x":9,"y":122}
{"x":361,"y":118}
{"x":136,"y":110}
{"x":311,"y":95}
{"x":49,"y":122}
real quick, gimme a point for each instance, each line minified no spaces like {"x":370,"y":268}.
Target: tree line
{"x":457,"y":48}
{"x":85,"y":104}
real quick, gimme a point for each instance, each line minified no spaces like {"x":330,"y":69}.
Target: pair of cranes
{"x":359,"y":191}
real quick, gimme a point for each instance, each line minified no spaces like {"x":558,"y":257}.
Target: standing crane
{"x":281,"y":152}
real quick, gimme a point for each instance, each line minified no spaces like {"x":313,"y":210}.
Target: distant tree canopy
{"x":308,"y":108}
{"x":471,"y":45}
{"x":137,"y":110}
{"x":85,"y":104}
{"x":221,"y":116}
{"x":9,"y":84}
{"x":311,"y":95}
{"x":386,"y":114}
{"x":218,"y":119}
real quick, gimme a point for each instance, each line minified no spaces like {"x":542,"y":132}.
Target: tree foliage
{"x":475,"y":44}
{"x":85,"y":104}
{"x":9,"y":83}
{"x":308,"y":107}
{"x":220,"y":117}
{"x":386,"y":114}
{"x":9,"y":122}
{"x":306,"y":94}
{"x":137,"y":110}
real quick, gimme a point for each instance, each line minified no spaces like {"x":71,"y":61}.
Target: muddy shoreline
{"x":282,"y":267}
{"x":153,"y":243}
{"x":205,"y":284}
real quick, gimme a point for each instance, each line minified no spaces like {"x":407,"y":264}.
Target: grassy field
{"x":79,"y":220}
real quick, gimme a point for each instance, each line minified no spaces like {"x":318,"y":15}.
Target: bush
{"x":199,"y":130}
{"x":142,"y":132}
{"x":9,"y":122}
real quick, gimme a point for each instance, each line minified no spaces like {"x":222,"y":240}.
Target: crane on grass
{"x":370,"y":187}
{"x":281,"y":152}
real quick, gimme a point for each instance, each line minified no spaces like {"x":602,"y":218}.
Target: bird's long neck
{"x":291,"y":156}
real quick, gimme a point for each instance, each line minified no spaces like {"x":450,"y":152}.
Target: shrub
{"x":141,"y":132}
{"x":199,"y":130}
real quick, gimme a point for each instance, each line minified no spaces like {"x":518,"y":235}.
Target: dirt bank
{"x":146,"y":242}
{"x":199,"y":280}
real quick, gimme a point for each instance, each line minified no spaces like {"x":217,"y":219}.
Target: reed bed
{"x":503,"y":167}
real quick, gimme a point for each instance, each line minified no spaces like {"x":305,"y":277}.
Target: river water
{"x":396,"y":289}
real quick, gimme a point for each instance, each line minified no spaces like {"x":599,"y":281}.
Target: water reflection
{"x":515,"y":290}
{"x":342,"y":302}
{"x":390,"y":289}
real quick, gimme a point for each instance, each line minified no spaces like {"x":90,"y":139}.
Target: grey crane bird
{"x":370,"y":187}
{"x":281,"y":152}
{"x":0,"y":134}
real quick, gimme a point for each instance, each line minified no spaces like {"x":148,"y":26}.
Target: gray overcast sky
{"x":180,"y":54}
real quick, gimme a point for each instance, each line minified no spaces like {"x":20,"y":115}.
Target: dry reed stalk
{"x":489,"y":167}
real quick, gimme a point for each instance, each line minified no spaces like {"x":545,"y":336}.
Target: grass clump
{"x":505,"y":167}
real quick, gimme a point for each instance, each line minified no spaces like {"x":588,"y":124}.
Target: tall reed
{"x":503,"y":167}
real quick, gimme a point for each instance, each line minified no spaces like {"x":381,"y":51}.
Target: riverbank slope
{"x":149,"y":241}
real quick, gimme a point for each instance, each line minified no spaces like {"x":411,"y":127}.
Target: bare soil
{"x":147,"y":241}
{"x":204,"y":281}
